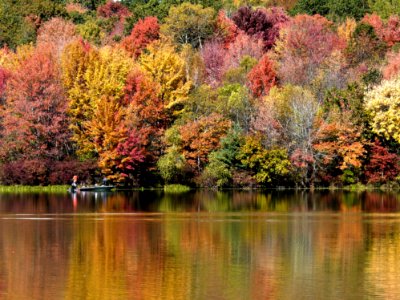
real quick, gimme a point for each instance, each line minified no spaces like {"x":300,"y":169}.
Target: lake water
{"x":200,"y":245}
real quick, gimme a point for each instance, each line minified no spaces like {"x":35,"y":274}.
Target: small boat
{"x":93,"y":188}
{"x":96,"y":188}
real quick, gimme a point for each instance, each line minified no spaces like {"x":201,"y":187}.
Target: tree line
{"x":205,"y":93}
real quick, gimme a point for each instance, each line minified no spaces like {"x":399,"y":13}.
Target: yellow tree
{"x":11,"y":60}
{"x":167,"y":68}
{"x":75,"y":61}
{"x":383,"y":105}
{"x":91,"y":75}
{"x":119,"y":149}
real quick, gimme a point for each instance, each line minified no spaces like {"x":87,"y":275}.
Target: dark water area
{"x":200,"y":245}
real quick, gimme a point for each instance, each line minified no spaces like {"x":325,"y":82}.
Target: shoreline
{"x":178,"y":188}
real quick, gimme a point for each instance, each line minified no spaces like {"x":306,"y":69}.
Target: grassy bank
{"x":176,"y":188}
{"x":33,"y":189}
{"x":180,"y":188}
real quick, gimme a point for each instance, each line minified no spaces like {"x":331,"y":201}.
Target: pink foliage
{"x":389,"y":32}
{"x":308,"y":43}
{"x":376,"y":22}
{"x":130,"y":152}
{"x":265,"y":123}
{"x":75,"y":7}
{"x":35,"y":120}
{"x":213,"y":55}
{"x":57,"y":32}
{"x":243,"y":45}
{"x":392,"y":69}
{"x":301,"y":159}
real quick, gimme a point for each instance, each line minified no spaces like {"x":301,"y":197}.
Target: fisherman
{"x":104,"y":180}
{"x":74,"y":184}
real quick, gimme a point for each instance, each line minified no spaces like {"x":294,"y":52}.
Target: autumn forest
{"x":224,"y":93}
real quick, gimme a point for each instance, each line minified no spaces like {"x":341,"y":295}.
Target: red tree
{"x":389,"y":32}
{"x":144,"y":32}
{"x":254,"y":23}
{"x":243,"y":45}
{"x":382,"y":166}
{"x":146,"y":113}
{"x":113,"y":9}
{"x":35,"y":130}
{"x":201,"y":137}
{"x":4,"y":75}
{"x":262,"y":77}
{"x":226,"y":30}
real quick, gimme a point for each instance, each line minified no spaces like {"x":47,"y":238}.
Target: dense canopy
{"x":206,"y":93}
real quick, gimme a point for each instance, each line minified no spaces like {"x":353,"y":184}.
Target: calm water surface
{"x":200,"y":245}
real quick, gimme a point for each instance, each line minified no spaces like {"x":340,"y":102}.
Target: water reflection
{"x":202,"y":245}
{"x":202,"y":201}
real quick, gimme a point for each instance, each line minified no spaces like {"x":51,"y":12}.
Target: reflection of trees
{"x":381,"y":202}
{"x":383,"y":264}
{"x":218,"y":253}
{"x":23,"y":203}
{"x":97,"y":261}
{"x":33,"y":256}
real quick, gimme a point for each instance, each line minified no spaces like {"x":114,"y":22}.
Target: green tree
{"x":269,"y":166}
{"x":189,"y":24}
{"x":14,"y":29}
{"x":334,"y":9}
{"x":20,"y":19}
{"x":224,"y":161}
{"x":144,"y":8}
{"x":235,"y":103}
{"x":385,"y":8}
{"x":90,"y":4}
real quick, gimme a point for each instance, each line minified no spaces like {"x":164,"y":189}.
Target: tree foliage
{"x":254,"y":23}
{"x":57,"y":32}
{"x":200,"y":137}
{"x":189,"y":24}
{"x":333,"y":8}
{"x":207,"y":93}
{"x":382,"y":165}
{"x":269,"y":166}
{"x":364,"y":46}
{"x":165,"y":66}
{"x":34,"y":122}
{"x":383,"y":104}
{"x":385,"y":8}
{"x":262,"y":77}
{"x":146,"y":114}
{"x":340,"y":150}
{"x":305,"y":46}
{"x":143,"y":33}
{"x":90,"y":76}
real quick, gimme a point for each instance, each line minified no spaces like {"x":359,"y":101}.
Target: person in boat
{"x":104,"y":182}
{"x":74,"y":184}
